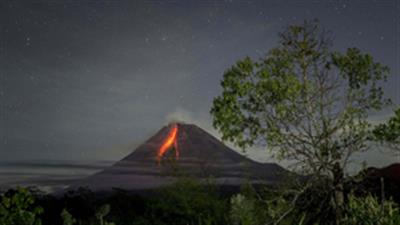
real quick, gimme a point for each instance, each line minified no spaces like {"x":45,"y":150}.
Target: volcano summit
{"x":181,"y":149}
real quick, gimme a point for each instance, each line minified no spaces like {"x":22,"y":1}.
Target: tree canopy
{"x":305,"y":102}
{"x":389,"y":133}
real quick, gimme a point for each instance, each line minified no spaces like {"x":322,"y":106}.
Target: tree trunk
{"x":338,"y":180}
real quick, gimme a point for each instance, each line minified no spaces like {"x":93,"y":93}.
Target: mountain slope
{"x":189,"y":151}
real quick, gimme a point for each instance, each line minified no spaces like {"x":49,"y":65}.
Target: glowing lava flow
{"x":171,"y":140}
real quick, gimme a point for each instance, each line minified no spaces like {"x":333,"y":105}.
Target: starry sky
{"x":89,"y":80}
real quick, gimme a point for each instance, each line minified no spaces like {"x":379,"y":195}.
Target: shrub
{"x":17,"y":208}
{"x":369,"y":211}
{"x":242,"y":210}
{"x":187,"y":202}
{"x":67,"y":218}
{"x":98,"y":218}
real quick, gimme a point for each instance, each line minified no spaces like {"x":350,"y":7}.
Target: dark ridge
{"x":372,"y":180}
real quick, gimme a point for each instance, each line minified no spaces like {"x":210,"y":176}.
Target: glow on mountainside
{"x":169,"y":141}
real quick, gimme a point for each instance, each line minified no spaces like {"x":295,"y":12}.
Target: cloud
{"x":180,"y":115}
{"x":57,"y":164}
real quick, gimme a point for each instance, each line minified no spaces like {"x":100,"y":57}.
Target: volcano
{"x":181,"y":149}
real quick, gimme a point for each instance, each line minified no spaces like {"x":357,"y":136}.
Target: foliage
{"x":187,"y":202}
{"x":311,"y":204}
{"x":17,"y":208}
{"x":304,"y":102}
{"x":67,"y":218}
{"x":80,"y":203}
{"x":127,"y":208}
{"x":276,"y":208}
{"x":369,"y":211}
{"x":242,"y":210}
{"x":103,"y":211}
{"x":389,"y":132}
{"x":98,"y":218}
{"x":265,"y":205}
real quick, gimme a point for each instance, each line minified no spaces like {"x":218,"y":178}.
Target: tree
{"x":305,"y":102}
{"x":388,"y":133}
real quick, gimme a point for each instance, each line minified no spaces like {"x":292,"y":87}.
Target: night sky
{"x":90,"y":80}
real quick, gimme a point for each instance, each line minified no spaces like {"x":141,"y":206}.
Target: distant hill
{"x":390,"y":173}
{"x":372,"y":179}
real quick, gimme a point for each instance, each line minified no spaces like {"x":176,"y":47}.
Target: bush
{"x":98,"y":218}
{"x":242,"y":210}
{"x":369,"y":211}
{"x":67,"y":218}
{"x":81,"y":203}
{"x":126,"y":208}
{"x":187,"y":202}
{"x":17,"y":208}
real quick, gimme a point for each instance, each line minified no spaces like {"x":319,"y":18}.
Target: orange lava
{"x":169,"y":141}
